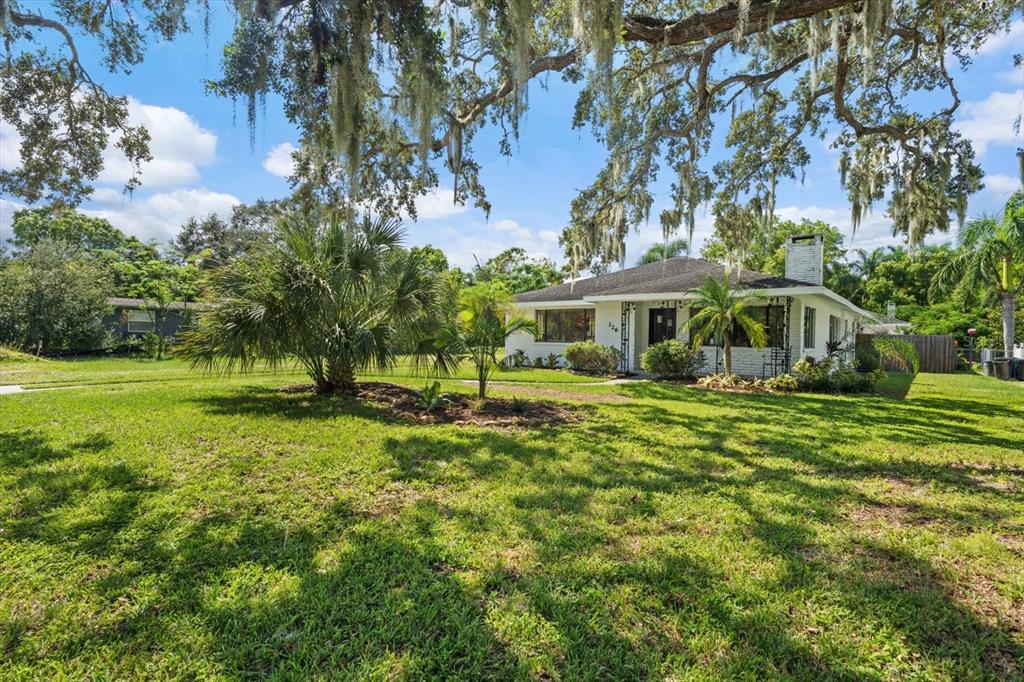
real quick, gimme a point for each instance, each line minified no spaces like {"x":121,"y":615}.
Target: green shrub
{"x":866,"y":358}
{"x":813,"y":375}
{"x":730,"y":381}
{"x":671,"y":360}
{"x":515,"y":359}
{"x":834,"y":376}
{"x":551,"y":361}
{"x":431,"y":398}
{"x":782,"y":382}
{"x":592,"y":357}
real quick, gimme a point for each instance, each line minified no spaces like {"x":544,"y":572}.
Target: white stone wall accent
{"x":805,"y":258}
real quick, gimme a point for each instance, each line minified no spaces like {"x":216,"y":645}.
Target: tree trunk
{"x":1009,"y":309}
{"x":341,"y":378}
{"x":726,"y":354}
{"x":482,"y":377}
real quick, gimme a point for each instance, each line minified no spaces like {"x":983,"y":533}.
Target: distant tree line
{"x":60,"y":265}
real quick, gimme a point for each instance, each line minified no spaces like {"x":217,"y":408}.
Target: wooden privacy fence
{"x":936,"y":352}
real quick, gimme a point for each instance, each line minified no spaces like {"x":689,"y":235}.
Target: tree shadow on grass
{"x":343,"y":595}
{"x":563,"y":509}
{"x":259,"y":401}
{"x":923,"y":421}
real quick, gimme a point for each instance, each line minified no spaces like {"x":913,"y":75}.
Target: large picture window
{"x":771,"y":316}
{"x":566,"y":326}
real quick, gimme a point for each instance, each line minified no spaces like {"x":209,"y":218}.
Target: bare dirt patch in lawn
{"x":402,"y":403}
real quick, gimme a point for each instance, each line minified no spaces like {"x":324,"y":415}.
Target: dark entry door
{"x":662,"y":325}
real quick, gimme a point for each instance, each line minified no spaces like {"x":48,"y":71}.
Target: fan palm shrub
{"x":337,"y":295}
{"x":721,"y":310}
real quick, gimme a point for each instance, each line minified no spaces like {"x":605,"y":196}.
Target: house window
{"x":808,"y":327}
{"x":771,"y":316}
{"x":566,"y":326}
{"x":834,"y":335}
{"x":139,"y":321}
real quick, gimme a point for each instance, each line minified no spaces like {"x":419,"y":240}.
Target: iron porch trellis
{"x":780,"y":356}
{"x":627,"y":308}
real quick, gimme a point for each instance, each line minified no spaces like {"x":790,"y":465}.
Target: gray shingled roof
{"x":671,"y":276}
{"x":140,"y":304}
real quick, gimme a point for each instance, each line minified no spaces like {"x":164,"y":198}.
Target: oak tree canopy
{"x":388,"y":96}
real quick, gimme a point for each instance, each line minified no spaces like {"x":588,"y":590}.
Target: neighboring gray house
{"x":634,"y":308}
{"x":134,"y":317}
{"x":888,"y":324}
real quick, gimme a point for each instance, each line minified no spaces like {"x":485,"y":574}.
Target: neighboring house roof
{"x":886,"y":325}
{"x":670,"y":276}
{"x":140,"y":304}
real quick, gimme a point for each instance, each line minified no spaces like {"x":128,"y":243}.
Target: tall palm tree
{"x":991,"y":257}
{"x":663,"y":251}
{"x":721,"y":310}
{"x":868,"y":261}
{"x":485,"y":320}
{"x":336,"y":295}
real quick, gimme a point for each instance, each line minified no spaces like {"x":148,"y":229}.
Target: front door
{"x":661,"y":326}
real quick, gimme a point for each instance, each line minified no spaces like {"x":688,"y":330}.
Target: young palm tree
{"x":992,"y":256}
{"x":720,"y":311}
{"x":335,"y":295}
{"x":477,"y":333}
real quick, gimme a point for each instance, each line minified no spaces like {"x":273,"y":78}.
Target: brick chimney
{"x":805,"y":258}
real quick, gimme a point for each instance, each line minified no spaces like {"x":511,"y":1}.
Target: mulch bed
{"x":400,"y":402}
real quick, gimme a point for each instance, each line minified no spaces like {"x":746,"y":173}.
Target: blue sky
{"x":203,"y":160}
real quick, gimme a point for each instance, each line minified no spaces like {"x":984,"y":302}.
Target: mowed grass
{"x":91,"y":371}
{"x":218,"y":528}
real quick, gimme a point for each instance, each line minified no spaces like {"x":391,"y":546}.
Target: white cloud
{"x":160,"y":216}
{"x":875,"y":229}
{"x":514,"y":229}
{"x":548,"y":236}
{"x":440,"y":203}
{"x":10,"y":143}
{"x":1014,"y":75}
{"x":1001,"y":185}
{"x":179,"y":146}
{"x":1010,"y":40}
{"x":279,"y":160}
{"x":990,"y":121}
{"x":7,"y":210}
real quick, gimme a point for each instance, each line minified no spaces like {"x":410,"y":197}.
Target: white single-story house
{"x":633,"y":308}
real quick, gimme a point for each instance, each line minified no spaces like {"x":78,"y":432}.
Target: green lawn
{"x":120,"y":370}
{"x":207,"y":527}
